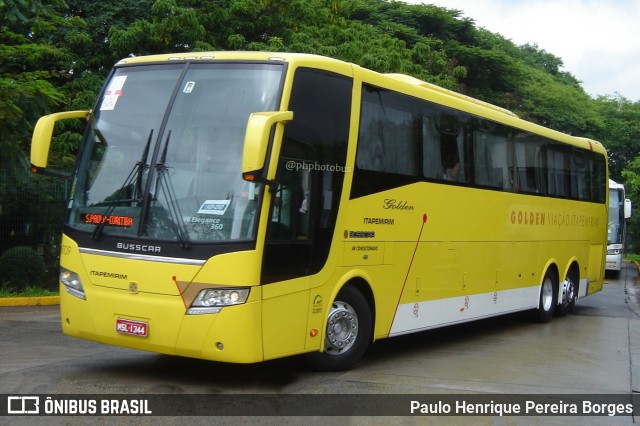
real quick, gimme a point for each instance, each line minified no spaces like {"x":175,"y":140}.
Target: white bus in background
{"x":619,"y":214}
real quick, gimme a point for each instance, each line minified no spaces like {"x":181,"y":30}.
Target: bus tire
{"x":548,"y":297}
{"x":569,"y":296}
{"x":348,"y":333}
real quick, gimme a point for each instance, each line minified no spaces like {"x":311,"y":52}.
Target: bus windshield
{"x":162,"y":156}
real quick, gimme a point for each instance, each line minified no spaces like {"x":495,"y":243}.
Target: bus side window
{"x":431,"y":163}
{"x":578,"y":175}
{"x":493,"y":159}
{"x":528,"y":151}
{"x":443,"y":139}
{"x":556,"y":161}
{"x":485,"y":173}
{"x":389,"y":132}
{"x":448,"y":128}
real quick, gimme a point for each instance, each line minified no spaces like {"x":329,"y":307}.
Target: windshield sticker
{"x":188,"y":88}
{"x":217,"y":207}
{"x":114,"y":91}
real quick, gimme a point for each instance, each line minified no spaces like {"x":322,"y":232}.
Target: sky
{"x":597,"y":40}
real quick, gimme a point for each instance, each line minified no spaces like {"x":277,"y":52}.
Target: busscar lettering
{"x":138,"y":247}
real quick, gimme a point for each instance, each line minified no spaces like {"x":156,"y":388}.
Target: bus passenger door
{"x":290,"y":234}
{"x":304,"y":208}
{"x":286,"y":261}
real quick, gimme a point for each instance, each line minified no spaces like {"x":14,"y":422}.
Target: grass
{"x":30,"y":291}
{"x":633,"y":257}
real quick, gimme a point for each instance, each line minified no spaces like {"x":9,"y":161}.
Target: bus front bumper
{"x":159,"y":323}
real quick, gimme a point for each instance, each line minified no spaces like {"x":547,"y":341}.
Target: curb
{"x":30,"y":301}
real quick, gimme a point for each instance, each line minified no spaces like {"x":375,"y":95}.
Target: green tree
{"x":170,"y":28}
{"x":631,"y":179}
{"x":30,"y":75}
{"x":85,"y":36}
{"x":56,"y":55}
{"x":620,"y":132}
{"x":621,"y":135}
{"x":543,"y":99}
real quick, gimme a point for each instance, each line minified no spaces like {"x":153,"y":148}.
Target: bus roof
{"x":400,"y":82}
{"x":418,"y":82}
{"x":306,"y":58}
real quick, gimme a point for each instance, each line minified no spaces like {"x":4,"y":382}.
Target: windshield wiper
{"x":141,"y":166}
{"x":164,"y":181}
{"x":137,"y":170}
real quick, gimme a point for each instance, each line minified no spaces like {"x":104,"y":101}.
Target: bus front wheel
{"x":548,"y":297}
{"x":348,"y":333}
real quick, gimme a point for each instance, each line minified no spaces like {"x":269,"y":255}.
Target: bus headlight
{"x":614,"y":251}
{"x":211,"y":301}
{"x":72,"y":283}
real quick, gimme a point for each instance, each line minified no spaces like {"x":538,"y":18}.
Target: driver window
{"x":291,"y":203}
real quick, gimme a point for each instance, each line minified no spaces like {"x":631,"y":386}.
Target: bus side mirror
{"x":42,"y":133}
{"x":627,"y":209}
{"x":256,"y":141}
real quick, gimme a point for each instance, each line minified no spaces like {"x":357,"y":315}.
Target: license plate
{"x":132,"y":328}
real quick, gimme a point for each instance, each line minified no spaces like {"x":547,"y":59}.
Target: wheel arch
{"x":364,"y":287}
{"x":346,"y":342}
{"x":547,"y":297}
{"x":360,"y":280}
{"x":573,"y":270}
{"x":551,"y":265}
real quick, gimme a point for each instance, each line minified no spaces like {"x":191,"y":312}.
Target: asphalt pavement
{"x":596,"y":350}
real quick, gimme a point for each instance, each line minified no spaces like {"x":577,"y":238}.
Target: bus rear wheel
{"x":348,"y":333}
{"x":569,"y":296}
{"x":548,"y":297}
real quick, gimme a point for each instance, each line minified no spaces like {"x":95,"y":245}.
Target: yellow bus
{"x":246,"y":206}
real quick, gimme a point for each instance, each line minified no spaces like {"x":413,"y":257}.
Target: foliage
{"x":621,"y":119}
{"x":632,"y":257}
{"x":21,"y":266}
{"x":57,"y":53}
{"x":631,"y":178}
{"x":34,"y":69}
